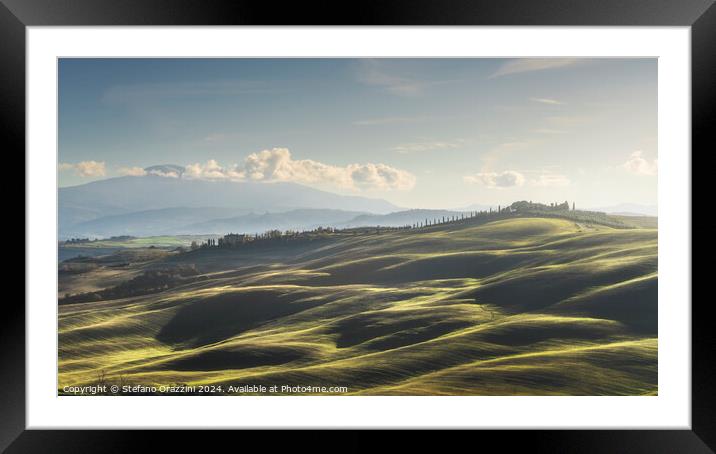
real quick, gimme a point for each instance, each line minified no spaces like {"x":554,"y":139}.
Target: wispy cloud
{"x":639,"y":165}
{"x":523,"y":65}
{"x":546,"y":101}
{"x":499,"y":180}
{"x":411,"y":147}
{"x":375,"y":72}
{"x":499,"y":151}
{"x":87,"y":169}
{"x":277,"y":164}
{"x":515,"y":178}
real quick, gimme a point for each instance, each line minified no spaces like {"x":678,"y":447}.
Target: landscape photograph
{"x":357,"y":227}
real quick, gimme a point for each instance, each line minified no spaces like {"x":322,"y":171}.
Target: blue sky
{"x":440,"y":133}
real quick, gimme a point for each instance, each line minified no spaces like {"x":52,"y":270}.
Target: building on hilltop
{"x":232,"y":240}
{"x":523,"y":205}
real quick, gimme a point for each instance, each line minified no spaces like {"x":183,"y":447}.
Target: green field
{"x":521,"y":306}
{"x":167,"y":241}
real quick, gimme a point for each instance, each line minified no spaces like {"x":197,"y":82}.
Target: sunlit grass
{"x":510,"y":307}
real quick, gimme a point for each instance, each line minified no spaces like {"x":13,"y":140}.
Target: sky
{"x":420,"y":133}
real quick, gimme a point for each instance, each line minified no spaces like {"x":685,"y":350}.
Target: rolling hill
{"x":518,"y":306}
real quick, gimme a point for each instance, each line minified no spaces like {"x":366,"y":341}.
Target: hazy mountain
{"x":629,"y":209}
{"x":399,"y":218}
{"x":132,"y":194}
{"x":163,"y":221}
{"x":304,"y":219}
{"x":476,"y":207}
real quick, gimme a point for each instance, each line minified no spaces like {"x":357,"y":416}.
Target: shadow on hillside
{"x":235,"y":358}
{"x":520,"y":334}
{"x":635,"y":304}
{"x":536,"y":290}
{"x":391,"y":333}
{"x":227,"y":314}
{"x":389,"y":270}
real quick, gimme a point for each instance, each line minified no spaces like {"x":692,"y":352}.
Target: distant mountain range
{"x":476,"y":207}
{"x":301,"y":219}
{"x":196,"y":221}
{"x":163,"y":202}
{"x":163,"y":221}
{"x":629,"y":209}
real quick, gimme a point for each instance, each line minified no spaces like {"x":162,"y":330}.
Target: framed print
{"x":289,"y":220}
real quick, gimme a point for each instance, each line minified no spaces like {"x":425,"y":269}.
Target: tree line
{"x":519,"y":208}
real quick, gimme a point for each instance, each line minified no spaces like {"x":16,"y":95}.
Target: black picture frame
{"x":16,"y":15}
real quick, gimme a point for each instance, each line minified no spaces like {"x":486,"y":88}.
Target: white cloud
{"x":85,"y":168}
{"x":506,"y":179}
{"x":523,"y":65}
{"x":380,"y":176}
{"x":132,"y":171}
{"x":639,"y":165}
{"x":375,"y":72}
{"x":278,"y":165}
{"x":372,"y":72}
{"x":411,"y":147}
{"x":90,"y":168}
{"x":164,"y":173}
{"x":546,"y":101}
{"x":211,"y":171}
{"x":513,"y":178}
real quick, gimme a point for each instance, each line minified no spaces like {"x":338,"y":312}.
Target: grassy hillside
{"x":537,"y":306}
